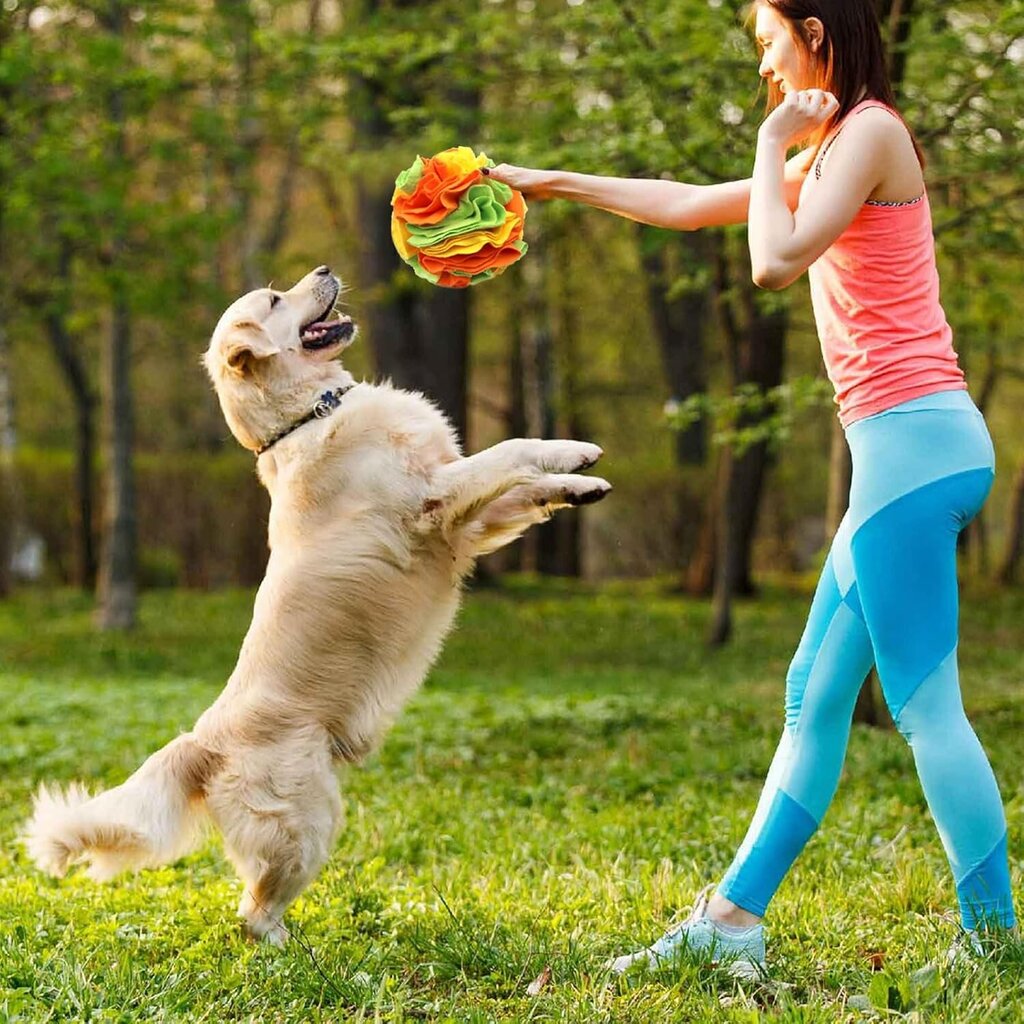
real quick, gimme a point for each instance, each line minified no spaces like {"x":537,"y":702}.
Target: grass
{"x":576,"y":768}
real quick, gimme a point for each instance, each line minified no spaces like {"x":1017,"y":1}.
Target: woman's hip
{"x":937,"y":444}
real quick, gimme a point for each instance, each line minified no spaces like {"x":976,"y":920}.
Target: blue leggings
{"x":888,"y":597}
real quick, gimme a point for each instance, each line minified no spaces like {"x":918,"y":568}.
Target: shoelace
{"x":696,"y":913}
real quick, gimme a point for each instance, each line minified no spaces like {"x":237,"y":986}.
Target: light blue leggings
{"x":888,"y":597}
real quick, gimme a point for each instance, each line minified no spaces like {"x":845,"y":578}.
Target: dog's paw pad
{"x":594,"y":492}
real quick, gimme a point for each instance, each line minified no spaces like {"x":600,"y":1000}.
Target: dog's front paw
{"x":568,"y":456}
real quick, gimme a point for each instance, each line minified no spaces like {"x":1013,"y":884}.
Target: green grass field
{"x":577,"y":766}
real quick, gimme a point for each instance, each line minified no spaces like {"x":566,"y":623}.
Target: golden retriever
{"x":375,"y":520}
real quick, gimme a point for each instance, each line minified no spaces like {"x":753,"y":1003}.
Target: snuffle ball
{"x":451,"y":224}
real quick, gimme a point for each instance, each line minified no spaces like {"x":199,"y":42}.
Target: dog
{"x":376,"y":520}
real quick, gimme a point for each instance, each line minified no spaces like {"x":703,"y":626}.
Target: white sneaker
{"x":740,"y":951}
{"x":965,"y":950}
{"x":973,"y":945}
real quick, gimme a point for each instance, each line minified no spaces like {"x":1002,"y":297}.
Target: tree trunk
{"x":240,"y":159}
{"x":117,"y":577}
{"x":679,"y":314}
{"x":756,"y":347}
{"x":559,"y":542}
{"x":514,"y":557}
{"x":259,"y":244}
{"x":974,"y":538}
{"x":8,"y":474}
{"x":700,"y":573}
{"x":73,"y":369}
{"x":726,"y":555}
{"x":1009,"y":570}
{"x":678,"y":295}
{"x":840,"y":475}
{"x":535,"y":368}
{"x":870,"y":706}
{"x":419,"y":332}
{"x":897,"y":19}
{"x":117,"y":588}
{"x":739,"y":503}
{"x":72,"y":366}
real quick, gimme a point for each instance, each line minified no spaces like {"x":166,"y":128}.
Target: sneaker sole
{"x":741,"y":970}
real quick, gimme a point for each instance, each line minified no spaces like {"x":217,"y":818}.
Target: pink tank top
{"x":875,"y":293}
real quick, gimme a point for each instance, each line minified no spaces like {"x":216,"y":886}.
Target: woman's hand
{"x":799,"y":114}
{"x":532,"y":183}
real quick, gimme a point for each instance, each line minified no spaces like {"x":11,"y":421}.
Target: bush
{"x":202,"y":518}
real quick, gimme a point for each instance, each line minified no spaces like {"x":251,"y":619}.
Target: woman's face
{"x":784,"y":61}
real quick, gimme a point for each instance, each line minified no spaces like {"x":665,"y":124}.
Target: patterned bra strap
{"x":898,"y":202}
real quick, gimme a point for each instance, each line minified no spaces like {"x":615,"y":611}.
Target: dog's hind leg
{"x":271,"y":888}
{"x":278,"y":846}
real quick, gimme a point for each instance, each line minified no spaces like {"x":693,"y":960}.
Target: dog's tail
{"x":151,"y":818}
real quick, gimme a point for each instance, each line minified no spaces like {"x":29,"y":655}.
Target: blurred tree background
{"x":159,"y":158}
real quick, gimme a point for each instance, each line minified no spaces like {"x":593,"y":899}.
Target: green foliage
{"x":774,"y":412}
{"x":902,"y":993}
{"x":532,"y":808}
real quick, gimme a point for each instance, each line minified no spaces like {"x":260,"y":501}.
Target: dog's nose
{"x":322,"y":271}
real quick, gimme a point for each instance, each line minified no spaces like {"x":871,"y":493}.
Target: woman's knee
{"x":923,"y":721}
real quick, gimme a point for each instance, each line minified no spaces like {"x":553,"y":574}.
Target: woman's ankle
{"x":723,"y":911}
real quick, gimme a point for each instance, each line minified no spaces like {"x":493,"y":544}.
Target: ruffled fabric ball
{"x":452,"y":224}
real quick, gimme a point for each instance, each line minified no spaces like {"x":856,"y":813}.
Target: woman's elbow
{"x":773,"y":277}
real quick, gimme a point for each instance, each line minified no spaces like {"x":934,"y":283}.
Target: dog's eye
{"x":274,"y":300}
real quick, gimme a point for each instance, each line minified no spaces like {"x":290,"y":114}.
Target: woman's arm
{"x":783,"y":244}
{"x":664,"y":204}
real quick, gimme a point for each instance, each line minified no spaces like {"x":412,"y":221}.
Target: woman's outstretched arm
{"x":664,"y":204}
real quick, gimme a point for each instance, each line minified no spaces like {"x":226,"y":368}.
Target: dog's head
{"x":272,"y":355}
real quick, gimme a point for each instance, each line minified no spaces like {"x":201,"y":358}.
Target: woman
{"x":852,"y":209}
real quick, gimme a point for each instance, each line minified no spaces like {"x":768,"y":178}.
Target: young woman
{"x":852,"y":209}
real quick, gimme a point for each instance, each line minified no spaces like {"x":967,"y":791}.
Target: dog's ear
{"x":245,"y":344}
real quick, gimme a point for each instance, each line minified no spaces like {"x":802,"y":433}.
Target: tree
{"x":70,"y":358}
{"x":420,"y":333}
{"x":7,"y":471}
{"x":1009,"y":569}
{"x":678,"y":277}
{"x":755,"y":330}
{"x":117,"y":581}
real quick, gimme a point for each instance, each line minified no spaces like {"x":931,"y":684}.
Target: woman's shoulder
{"x":875,"y":121}
{"x":876,"y":132}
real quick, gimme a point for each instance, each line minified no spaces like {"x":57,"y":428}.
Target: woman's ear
{"x":814,"y":33}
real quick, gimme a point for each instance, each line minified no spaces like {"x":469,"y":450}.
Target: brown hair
{"x":851,"y":61}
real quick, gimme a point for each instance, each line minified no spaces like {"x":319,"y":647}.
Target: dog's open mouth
{"x":322,"y":333}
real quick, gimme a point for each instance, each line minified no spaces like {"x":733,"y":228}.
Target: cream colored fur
{"x":376,"y":518}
